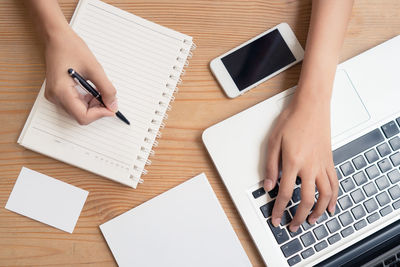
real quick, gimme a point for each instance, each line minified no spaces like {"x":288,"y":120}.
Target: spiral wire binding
{"x":160,"y":116}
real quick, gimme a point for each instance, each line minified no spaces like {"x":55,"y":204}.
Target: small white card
{"x":47,"y":200}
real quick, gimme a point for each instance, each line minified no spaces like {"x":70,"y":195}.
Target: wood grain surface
{"x":216,"y":26}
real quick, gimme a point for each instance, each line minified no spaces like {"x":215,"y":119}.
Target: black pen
{"x":79,"y":79}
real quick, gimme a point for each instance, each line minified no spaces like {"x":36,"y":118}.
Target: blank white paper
{"x":185,"y":226}
{"x":47,"y":200}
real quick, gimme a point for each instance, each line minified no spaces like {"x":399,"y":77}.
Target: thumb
{"x":105,"y":87}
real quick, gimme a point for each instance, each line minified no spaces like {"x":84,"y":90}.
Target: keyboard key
{"x":348,"y":184}
{"x":298,"y":180}
{"x":394,"y":192}
{"x":347,"y":168}
{"x":333,"y":225}
{"x":373,"y":217}
{"x":294,"y":260}
{"x":396,"y":204}
{"x":372,"y":172}
{"x":291,"y":248}
{"x":337,"y":210}
{"x":307,"y":253}
{"x":259,"y":192}
{"x":320,"y":246}
{"x":333,"y":239}
{"x":307,"y":239}
{"x":293,"y":210}
{"x":382,"y":182}
{"x":357,"y":196}
{"x":286,"y":218}
{"x":340,"y":192}
{"x":398,"y":122}
{"x":357,"y":146}
{"x":384,"y":165}
{"x":386,"y":210}
{"x":274,"y":192}
{"x":345,"y":202}
{"x":394,"y":176}
{"x":322,"y":218}
{"x":370,"y":189}
{"x":347,"y":231}
{"x":383,"y":199}
{"x":358,"y":212}
{"x":361,"y":224}
{"x":296,"y":197}
{"x":395,"y":143}
{"x":370,"y":205}
{"x":338,"y":174}
{"x":320,"y":232}
{"x":280,"y":234}
{"x":293,"y":234}
{"x":306,"y":226}
{"x":384,"y":149}
{"x":345,"y":219}
{"x":390,"y":129}
{"x":360,"y":178}
{"x":267,"y":209}
{"x":359,"y":162}
{"x":395,"y":158}
{"x":371,"y":156}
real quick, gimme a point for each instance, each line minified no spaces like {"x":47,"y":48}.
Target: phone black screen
{"x":258,"y":59}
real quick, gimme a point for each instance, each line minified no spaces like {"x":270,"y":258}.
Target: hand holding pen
{"x":65,"y":49}
{"x":92,"y":91}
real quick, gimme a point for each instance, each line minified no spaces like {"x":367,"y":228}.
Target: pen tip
{"x":70,"y":71}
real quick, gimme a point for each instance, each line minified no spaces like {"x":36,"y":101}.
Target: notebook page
{"x":139,"y":58}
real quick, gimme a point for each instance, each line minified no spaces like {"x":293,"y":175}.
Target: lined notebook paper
{"x":144,"y":62}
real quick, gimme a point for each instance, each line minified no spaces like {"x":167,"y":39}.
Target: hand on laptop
{"x":301,"y":141}
{"x":64,"y":49}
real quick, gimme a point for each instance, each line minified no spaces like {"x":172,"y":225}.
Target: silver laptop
{"x":366,"y":149}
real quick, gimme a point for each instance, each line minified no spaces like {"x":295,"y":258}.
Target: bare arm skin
{"x":300,"y":140}
{"x":65,"y":49}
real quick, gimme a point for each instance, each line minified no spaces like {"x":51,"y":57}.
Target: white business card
{"x":47,"y":200}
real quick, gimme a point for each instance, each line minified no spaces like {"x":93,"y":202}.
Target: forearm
{"x":48,"y":17}
{"x":328,"y":25}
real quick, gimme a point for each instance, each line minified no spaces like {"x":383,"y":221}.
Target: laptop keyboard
{"x":369,"y":189}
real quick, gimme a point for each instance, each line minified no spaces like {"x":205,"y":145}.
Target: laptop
{"x":365,"y":229}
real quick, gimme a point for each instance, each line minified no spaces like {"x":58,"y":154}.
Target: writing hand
{"x":65,"y":50}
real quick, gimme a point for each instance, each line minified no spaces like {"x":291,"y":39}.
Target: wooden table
{"x":216,"y":26}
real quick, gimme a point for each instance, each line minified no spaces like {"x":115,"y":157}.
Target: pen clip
{"x":92,"y":84}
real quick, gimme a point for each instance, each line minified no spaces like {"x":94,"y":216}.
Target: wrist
{"x":312,"y":99}
{"x":48,"y":17}
{"x":55,"y":33}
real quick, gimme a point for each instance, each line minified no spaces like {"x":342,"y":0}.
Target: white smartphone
{"x":257,"y":60}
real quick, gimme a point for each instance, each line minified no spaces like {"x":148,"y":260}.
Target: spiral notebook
{"x":144,"y":61}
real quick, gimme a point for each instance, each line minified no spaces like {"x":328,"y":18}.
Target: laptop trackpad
{"x":347,"y":108}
